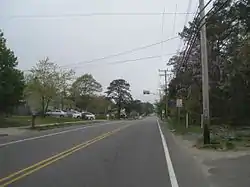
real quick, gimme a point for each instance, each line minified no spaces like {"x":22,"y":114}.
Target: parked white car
{"x":88,"y":116}
{"x":56,"y":113}
{"x":77,"y":115}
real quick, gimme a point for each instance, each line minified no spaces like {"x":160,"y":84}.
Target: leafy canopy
{"x":12,"y":79}
{"x":118,"y":90}
{"x":86,"y":85}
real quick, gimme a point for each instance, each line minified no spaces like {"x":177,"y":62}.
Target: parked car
{"x":123,"y":116}
{"x":70,"y":113}
{"x":56,"y":113}
{"x":77,"y":115}
{"x":88,"y":116}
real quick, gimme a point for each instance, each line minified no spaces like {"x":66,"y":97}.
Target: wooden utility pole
{"x":205,"y":81}
{"x":165,"y":74}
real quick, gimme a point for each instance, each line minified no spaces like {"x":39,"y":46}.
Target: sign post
{"x":178,"y":105}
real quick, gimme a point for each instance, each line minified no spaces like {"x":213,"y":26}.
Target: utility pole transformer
{"x":205,"y":81}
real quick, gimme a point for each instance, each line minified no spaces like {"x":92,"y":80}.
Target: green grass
{"x":223,"y":139}
{"x":180,"y":128}
{"x":60,"y":125}
{"x":19,"y":121}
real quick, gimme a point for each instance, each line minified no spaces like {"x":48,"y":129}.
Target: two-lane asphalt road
{"x":110,"y":154}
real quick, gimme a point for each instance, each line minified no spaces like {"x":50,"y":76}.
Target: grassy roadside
{"x":180,"y":128}
{"x":222,"y":137}
{"x":62,"y":124}
{"x":22,"y":121}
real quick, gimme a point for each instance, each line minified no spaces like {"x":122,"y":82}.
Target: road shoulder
{"x":188,"y":170}
{"x":220,"y":168}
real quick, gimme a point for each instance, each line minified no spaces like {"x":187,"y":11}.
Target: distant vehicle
{"x":70,"y":113}
{"x":88,"y":116}
{"x":123,"y":115}
{"x":56,"y":113}
{"x":77,"y":115}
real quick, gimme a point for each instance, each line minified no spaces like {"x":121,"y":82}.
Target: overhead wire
{"x":186,"y":20}
{"x":143,"y":58}
{"x":162,"y":30}
{"x":197,"y":14}
{"x":174,"y":20}
{"x":122,"y":53}
{"x":132,"y":60}
{"x":99,"y":14}
{"x":199,"y":27}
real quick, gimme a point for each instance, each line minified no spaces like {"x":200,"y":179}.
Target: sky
{"x":73,"y":32}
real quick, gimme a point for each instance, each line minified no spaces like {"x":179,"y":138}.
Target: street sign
{"x":179,"y":103}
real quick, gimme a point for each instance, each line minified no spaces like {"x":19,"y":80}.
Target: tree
{"x":147,"y":108}
{"x":228,"y":62}
{"x":65,"y":78}
{"x":139,"y":107}
{"x":83,"y":90}
{"x":44,"y":83}
{"x":86,"y":85}
{"x":119,"y":92}
{"x":12,"y":79}
{"x":134,"y":105}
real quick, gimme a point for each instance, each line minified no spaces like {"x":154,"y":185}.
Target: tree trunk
{"x":62,"y":103}
{"x":43,"y":106}
{"x":33,"y":121}
{"x":46,"y":106}
{"x":119,"y":110}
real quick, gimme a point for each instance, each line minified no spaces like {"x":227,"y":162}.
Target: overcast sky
{"x":35,"y":29}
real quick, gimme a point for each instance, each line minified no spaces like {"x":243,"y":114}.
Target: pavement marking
{"x":52,"y":134}
{"x":35,"y":167}
{"x":171,"y":172}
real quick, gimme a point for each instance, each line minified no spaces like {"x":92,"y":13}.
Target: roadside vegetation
{"x":228,"y":35}
{"x":24,"y":121}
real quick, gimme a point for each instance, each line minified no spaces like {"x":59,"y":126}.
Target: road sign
{"x":179,"y":103}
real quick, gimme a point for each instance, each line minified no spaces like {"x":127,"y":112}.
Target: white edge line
{"x":52,"y":134}
{"x":171,"y":172}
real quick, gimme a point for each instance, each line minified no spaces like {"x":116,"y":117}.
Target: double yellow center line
{"x":35,"y":167}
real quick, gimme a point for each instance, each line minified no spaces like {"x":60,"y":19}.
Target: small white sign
{"x":179,"y":103}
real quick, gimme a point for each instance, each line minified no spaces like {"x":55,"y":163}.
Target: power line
{"x":143,"y":58}
{"x":124,"y":61}
{"x":122,"y":53}
{"x":194,"y":35}
{"x":188,"y":9}
{"x":186,"y":20}
{"x":198,"y":29}
{"x":197,"y":14}
{"x":99,"y":14}
{"x":138,"y":59}
{"x":162,"y":30}
{"x":174,"y":20}
{"x":132,"y":60}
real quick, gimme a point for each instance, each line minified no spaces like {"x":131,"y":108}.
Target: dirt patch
{"x":221,"y":167}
